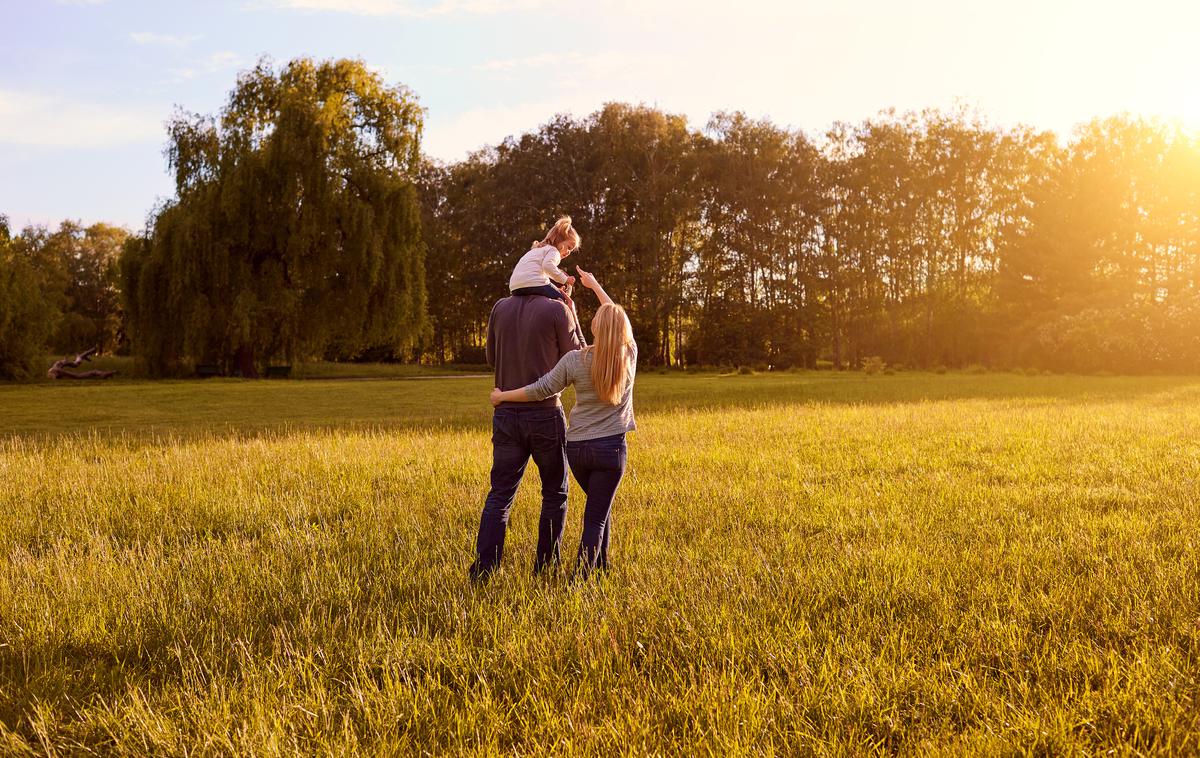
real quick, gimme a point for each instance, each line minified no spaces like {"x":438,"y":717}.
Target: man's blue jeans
{"x":518,"y":434}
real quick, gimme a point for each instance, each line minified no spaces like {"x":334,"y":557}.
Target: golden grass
{"x":945,"y":564}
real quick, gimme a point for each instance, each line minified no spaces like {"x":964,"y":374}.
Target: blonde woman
{"x":603,"y":375}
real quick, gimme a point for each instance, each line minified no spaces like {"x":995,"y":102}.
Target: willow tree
{"x":295,"y":230}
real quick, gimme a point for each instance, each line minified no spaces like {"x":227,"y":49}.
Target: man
{"x":527,"y":335}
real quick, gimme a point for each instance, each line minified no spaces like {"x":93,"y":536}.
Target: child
{"x":537,"y":271}
{"x":537,"y":268}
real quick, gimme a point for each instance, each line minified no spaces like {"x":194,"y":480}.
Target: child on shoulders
{"x":538,"y":268}
{"x":537,"y":272}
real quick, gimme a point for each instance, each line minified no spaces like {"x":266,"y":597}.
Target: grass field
{"x":803,"y":563}
{"x":128,"y":370}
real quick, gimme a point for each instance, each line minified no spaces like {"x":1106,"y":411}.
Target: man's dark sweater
{"x":527,"y":335}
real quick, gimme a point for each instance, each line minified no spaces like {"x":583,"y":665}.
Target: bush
{"x":939,"y":369}
{"x":873,"y":365}
{"x":976,"y":368}
{"x":745,"y":370}
{"x":1136,"y":338}
{"x":824,"y":365}
{"x":761,"y":368}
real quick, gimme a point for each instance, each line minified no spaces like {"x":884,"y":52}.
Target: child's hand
{"x":571,"y":280}
{"x":495,"y":398}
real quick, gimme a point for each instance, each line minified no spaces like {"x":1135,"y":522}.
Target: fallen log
{"x":93,"y":374}
{"x":59,"y":369}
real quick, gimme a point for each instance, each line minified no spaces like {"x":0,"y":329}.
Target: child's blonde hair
{"x":612,"y":337}
{"x":562,"y":231}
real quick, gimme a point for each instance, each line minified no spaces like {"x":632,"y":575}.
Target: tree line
{"x":306,"y":223}
{"x":59,"y":290}
{"x":927,"y":239}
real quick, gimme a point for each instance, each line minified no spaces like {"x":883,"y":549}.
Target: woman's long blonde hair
{"x":612,"y":339}
{"x":561,"y":232}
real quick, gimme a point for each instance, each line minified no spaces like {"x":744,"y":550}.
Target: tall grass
{"x":801,"y":564}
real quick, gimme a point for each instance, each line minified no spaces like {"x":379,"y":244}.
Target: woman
{"x":603,"y":376}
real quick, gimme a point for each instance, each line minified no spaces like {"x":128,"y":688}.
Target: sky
{"x":87,"y":85}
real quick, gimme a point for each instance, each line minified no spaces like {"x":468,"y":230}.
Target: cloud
{"x":410,"y":8}
{"x":19,"y":220}
{"x":214,"y":63}
{"x":470,"y":130}
{"x":47,"y":121}
{"x":570,"y":68}
{"x":509,"y":64}
{"x":579,"y":85}
{"x":163,"y":40}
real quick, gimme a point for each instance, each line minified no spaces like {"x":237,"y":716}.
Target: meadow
{"x":810,"y":563}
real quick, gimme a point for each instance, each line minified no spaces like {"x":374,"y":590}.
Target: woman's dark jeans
{"x":598,"y":466}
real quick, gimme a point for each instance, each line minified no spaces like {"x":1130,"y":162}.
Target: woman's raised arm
{"x":589,"y":281}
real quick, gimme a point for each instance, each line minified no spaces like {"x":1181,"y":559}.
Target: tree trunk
{"x":244,"y":360}
{"x":837,"y":334}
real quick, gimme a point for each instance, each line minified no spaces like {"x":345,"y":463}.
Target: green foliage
{"x":26,"y":315}
{"x":755,"y":264}
{"x":627,"y":176}
{"x":295,"y":230}
{"x":79,"y":268}
{"x":1135,"y":338}
{"x":926,"y":239}
{"x":873,"y":365}
{"x":1009,"y":569}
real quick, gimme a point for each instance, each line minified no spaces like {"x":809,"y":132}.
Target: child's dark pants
{"x":550,"y":291}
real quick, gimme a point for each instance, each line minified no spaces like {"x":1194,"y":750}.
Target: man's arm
{"x":489,"y":349}
{"x":564,"y":328}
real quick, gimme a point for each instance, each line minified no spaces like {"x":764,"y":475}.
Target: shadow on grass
{"x":237,"y":408}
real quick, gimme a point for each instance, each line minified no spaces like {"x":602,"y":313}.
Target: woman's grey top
{"x":591,"y":417}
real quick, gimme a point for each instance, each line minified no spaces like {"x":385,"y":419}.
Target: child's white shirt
{"x":536,"y":268}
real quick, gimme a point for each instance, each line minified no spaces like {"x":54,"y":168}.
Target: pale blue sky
{"x":85,"y":85}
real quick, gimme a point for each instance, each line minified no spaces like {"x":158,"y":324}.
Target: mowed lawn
{"x":803,"y":563}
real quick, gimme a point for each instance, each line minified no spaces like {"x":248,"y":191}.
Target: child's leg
{"x":578,"y":329}
{"x":546,"y":290}
{"x":549,"y":290}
